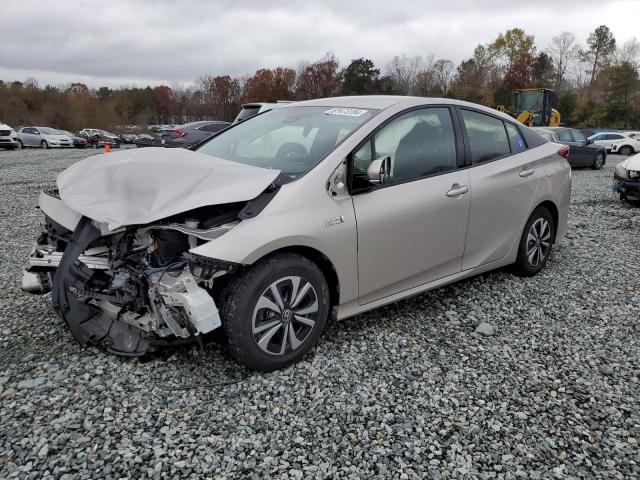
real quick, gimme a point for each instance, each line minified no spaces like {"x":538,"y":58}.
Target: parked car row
{"x":184,"y":136}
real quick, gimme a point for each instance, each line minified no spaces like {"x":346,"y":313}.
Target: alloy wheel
{"x":626,"y":151}
{"x":538,"y":242}
{"x":284,"y":315}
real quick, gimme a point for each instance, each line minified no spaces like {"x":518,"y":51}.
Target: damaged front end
{"x":626,"y":178}
{"x":135,"y":288}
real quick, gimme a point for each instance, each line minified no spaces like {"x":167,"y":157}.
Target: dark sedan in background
{"x":78,"y":142}
{"x":582,"y":151}
{"x":191,"y":133}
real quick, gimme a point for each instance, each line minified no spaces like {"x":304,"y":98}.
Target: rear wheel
{"x":625,"y":150}
{"x":535,"y":244}
{"x":44,"y":144}
{"x":274,"y":312}
{"x":598,"y":162}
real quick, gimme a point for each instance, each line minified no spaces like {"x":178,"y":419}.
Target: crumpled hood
{"x":144,"y":185}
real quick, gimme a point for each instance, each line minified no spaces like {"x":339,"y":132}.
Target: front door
{"x":412,"y":228}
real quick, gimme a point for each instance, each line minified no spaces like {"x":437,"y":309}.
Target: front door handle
{"x":457,"y":190}
{"x":527,"y":173}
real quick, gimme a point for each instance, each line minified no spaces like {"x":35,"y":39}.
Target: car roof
{"x":382,"y":102}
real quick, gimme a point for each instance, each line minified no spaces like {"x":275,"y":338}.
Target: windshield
{"x":104,"y":133}
{"x":292,"y":139}
{"x":529,"y":102}
{"x":48,"y":131}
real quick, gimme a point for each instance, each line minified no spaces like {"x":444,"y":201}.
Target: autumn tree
{"x":268,"y":85}
{"x":162,"y":99}
{"x":512,"y":47}
{"x":319,"y":79}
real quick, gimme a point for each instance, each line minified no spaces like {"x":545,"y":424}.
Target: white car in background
{"x":43,"y":137}
{"x":8,"y":137}
{"x":617,"y":142}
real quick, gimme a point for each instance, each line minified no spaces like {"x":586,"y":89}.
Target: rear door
{"x":32,"y":137}
{"x":585,"y":152}
{"x":504,"y":177}
{"x":411,"y":229}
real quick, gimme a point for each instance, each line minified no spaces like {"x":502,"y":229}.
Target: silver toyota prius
{"x":313,"y":212}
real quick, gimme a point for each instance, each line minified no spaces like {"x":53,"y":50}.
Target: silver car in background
{"x":43,"y":137}
{"x":315,"y":211}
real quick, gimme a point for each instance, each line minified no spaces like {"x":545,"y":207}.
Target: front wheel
{"x":44,"y":145}
{"x":535,"y":244}
{"x":625,"y":150}
{"x":20,"y":145}
{"x":598,"y":162}
{"x":274,"y":312}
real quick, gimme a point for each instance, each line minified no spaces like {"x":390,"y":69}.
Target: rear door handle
{"x":457,"y":190}
{"x":527,"y":173}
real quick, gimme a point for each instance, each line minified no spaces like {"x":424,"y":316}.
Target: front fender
{"x":306,"y":225}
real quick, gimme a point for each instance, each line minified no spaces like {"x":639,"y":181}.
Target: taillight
{"x":564,"y":152}
{"x":179,"y":133}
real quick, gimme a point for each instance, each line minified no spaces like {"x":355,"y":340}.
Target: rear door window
{"x":487,"y":137}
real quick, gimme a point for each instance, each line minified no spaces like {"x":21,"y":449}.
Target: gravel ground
{"x":549,"y":388}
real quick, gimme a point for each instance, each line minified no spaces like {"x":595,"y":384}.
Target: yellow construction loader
{"x":534,"y":107}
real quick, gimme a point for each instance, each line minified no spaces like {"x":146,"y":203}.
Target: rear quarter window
{"x":532,"y":138}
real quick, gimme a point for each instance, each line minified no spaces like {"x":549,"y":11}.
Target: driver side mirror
{"x":589,"y":141}
{"x":379,"y":170}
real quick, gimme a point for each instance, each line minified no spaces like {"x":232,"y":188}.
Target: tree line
{"x":597,"y":83}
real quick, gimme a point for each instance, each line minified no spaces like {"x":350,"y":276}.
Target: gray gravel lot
{"x":405,"y":391}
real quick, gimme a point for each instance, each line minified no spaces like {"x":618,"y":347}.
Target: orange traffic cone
{"x":107,"y":148}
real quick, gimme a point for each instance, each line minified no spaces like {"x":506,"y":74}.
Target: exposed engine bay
{"x":137,"y":287}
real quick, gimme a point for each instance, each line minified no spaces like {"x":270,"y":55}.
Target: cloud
{"x":142,"y":42}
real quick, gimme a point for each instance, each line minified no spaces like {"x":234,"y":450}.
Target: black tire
{"x":239,"y":305}
{"x":20,"y":144}
{"x":44,"y":145}
{"x":598,"y":162}
{"x":626,"y":150}
{"x":524,"y":266}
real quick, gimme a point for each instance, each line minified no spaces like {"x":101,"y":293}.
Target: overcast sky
{"x":117,"y":42}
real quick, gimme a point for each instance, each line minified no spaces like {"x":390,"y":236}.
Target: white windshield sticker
{"x":347,"y":112}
